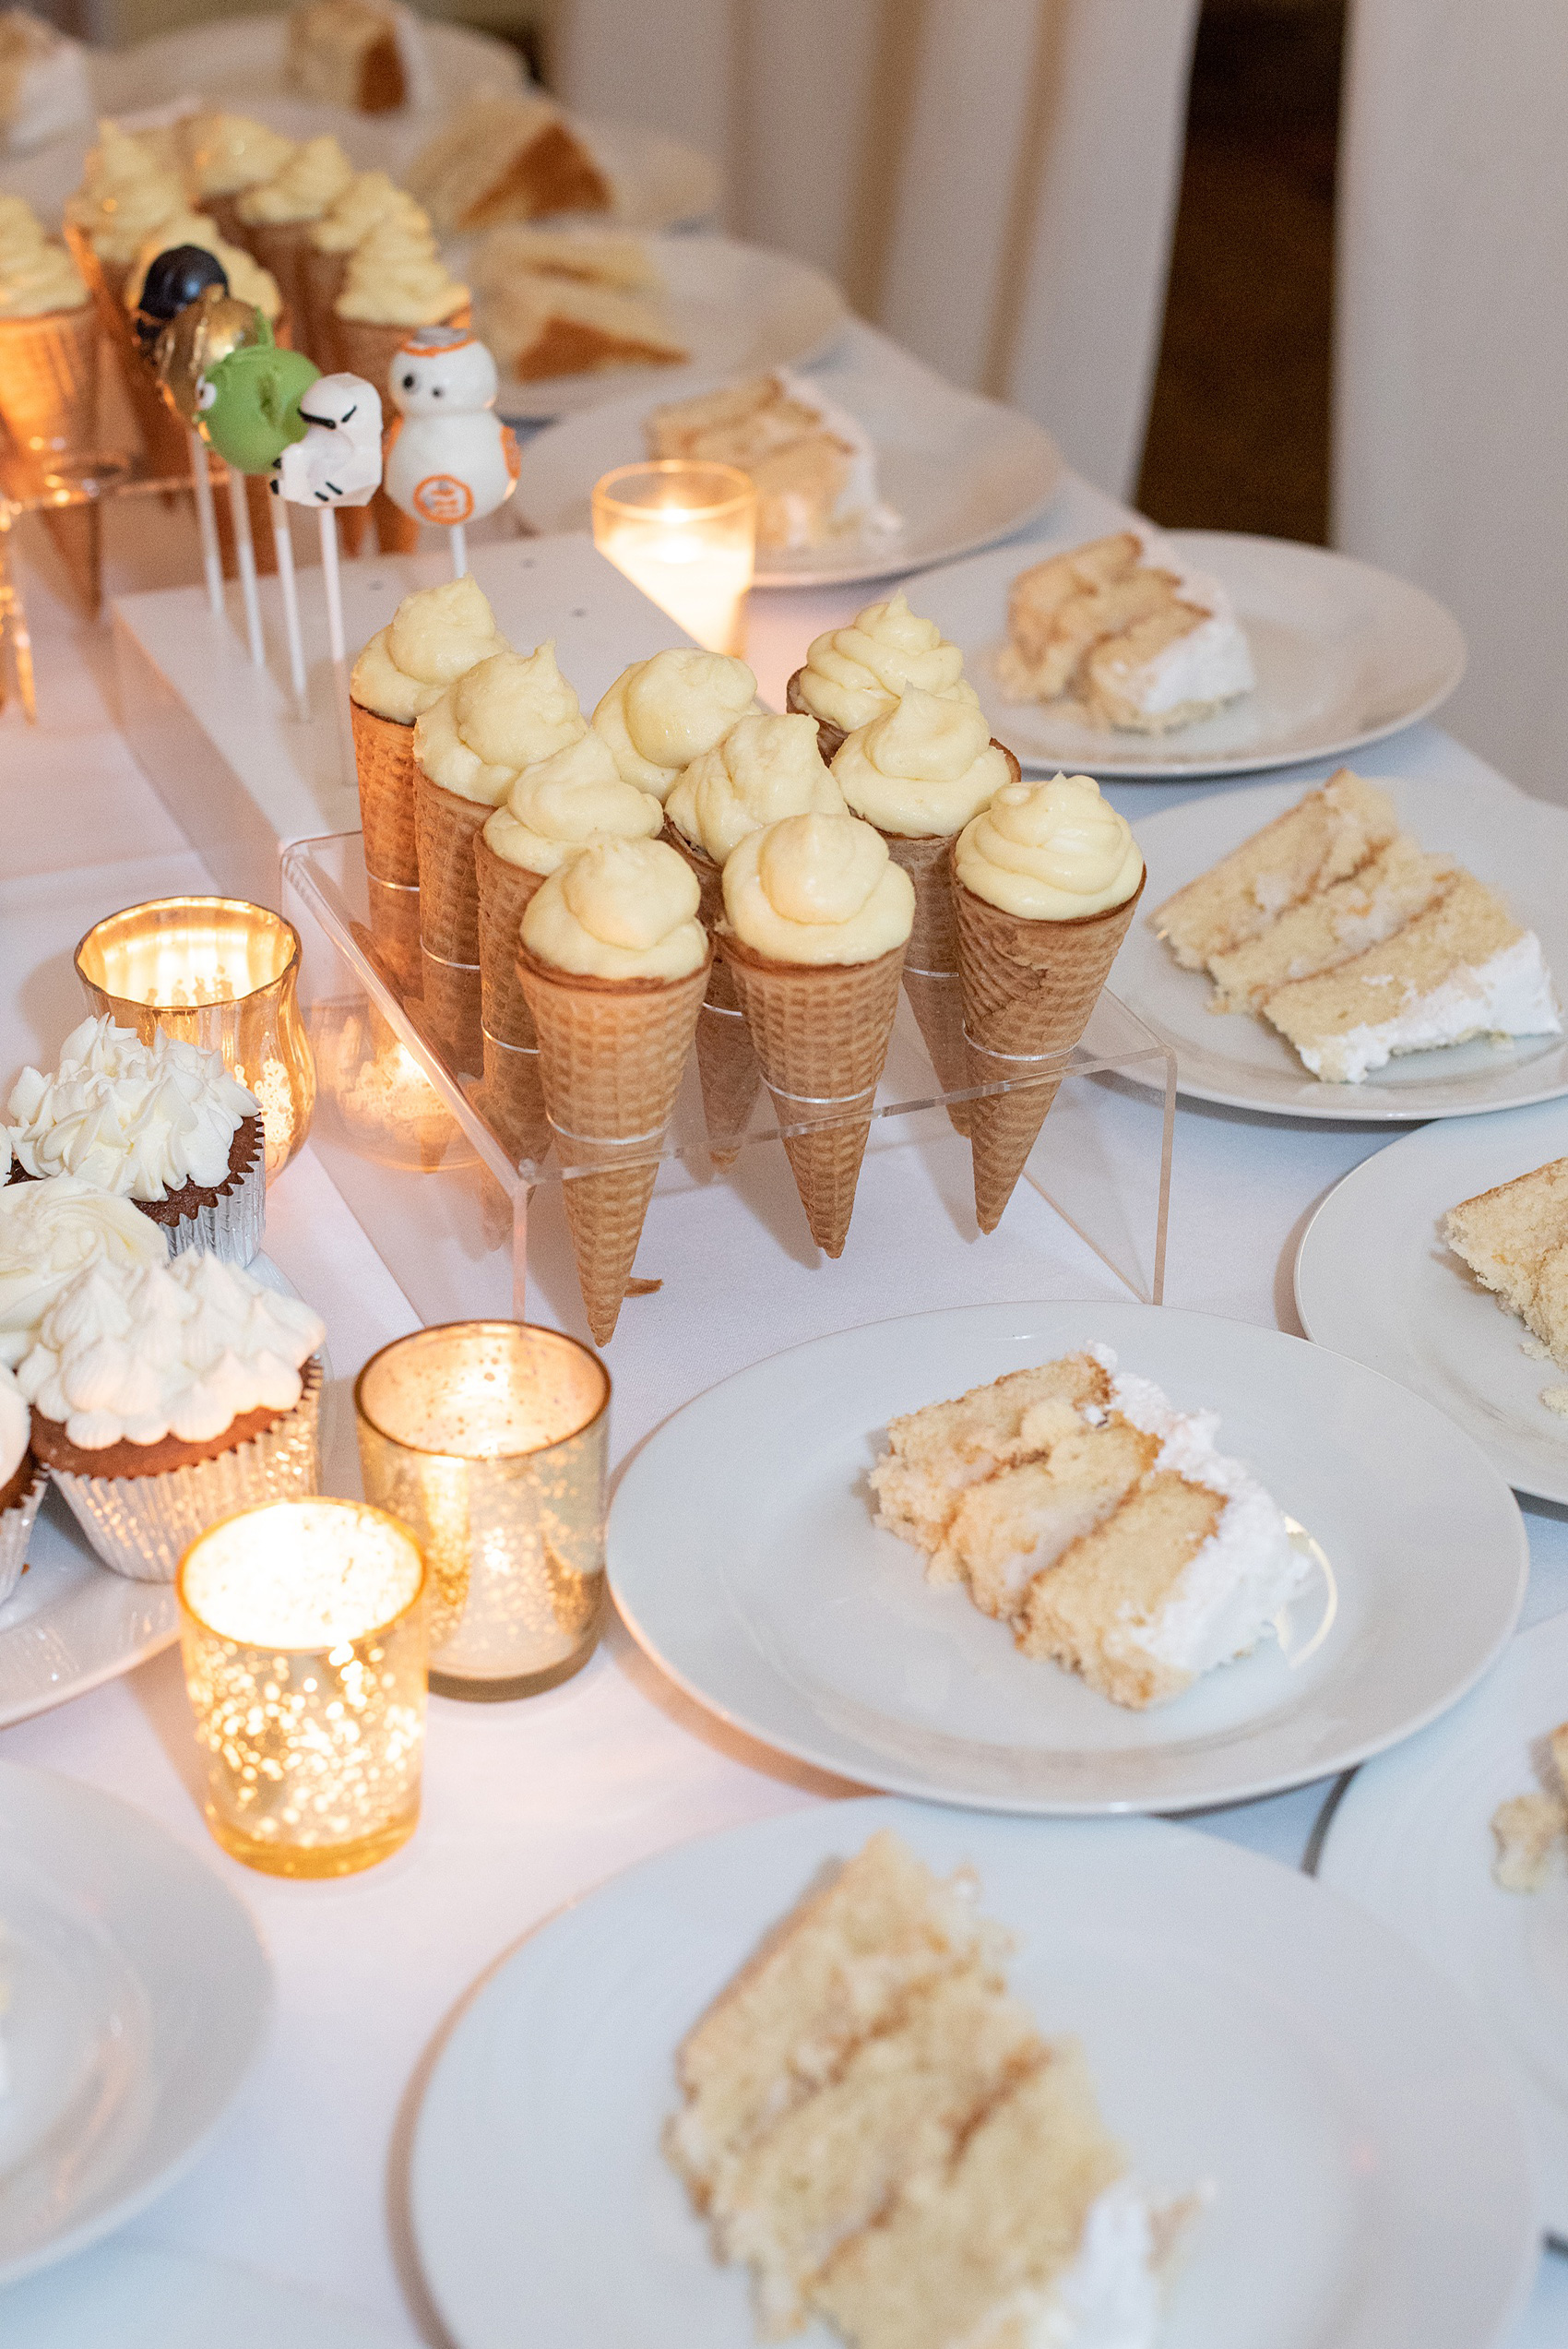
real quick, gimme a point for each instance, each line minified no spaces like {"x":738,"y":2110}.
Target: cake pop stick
{"x":207,"y":523}
{"x":449,"y":458}
{"x":244,"y":557}
{"x":283,"y":545}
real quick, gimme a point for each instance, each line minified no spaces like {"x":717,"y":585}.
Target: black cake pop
{"x":175,"y":279}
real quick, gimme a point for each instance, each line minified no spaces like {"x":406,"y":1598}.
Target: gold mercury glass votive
{"x":306,"y":1642}
{"x":684,"y":532}
{"x":218,"y":972}
{"x":488,"y":1438}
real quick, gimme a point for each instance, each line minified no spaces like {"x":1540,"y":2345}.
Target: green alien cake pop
{"x":248,"y":403}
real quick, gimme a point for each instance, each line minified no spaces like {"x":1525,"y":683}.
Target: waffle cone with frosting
{"x":446,"y":825}
{"x":49,"y":380}
{"x":821,"y":1032}
{"x":610,"y":1056}
{"x":513,"y":1098}
{"x":1028,"y":988}
{"x":727,"y":1067}
{"x":383,"y":766}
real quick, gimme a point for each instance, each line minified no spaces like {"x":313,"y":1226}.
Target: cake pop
{"x":173,"y":280}
{"x":450,"y":457}
{"x":248,"y":400}
{"x":339,"y":461}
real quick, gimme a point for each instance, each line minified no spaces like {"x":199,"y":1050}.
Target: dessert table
{"x":529,"y":1805}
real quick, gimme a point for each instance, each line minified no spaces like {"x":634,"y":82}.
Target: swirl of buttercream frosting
{"x":619,"y":909}
{"x":435,"y":636}
{"x":49,"y":1232}
{"x":1050,"y":852}
{"x":395,"y":276}
{"x":561,"y":804}
{"x":133,"y":1354}
{"x":818,"y":890}
{"x":764,"y":769}
{"x":854,"y":674}
{"x":502,"y":715}
{"x":140,"y":1120}
{"x":369,"y":199}
{"x":307,"y":182}
{"x":227,"y":152}
{"x":924,"y":768}
{"x":37,"y":274}
{"x":661,"y":713}
{"x":128,"y":188}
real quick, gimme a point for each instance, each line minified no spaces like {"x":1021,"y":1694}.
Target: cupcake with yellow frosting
{"x":470,"y":747}
{"x":612,"y":962}
{"x":396,"y":280}
{"x":852,"y":676}
{"x":275,"y":215}
{"x":1046,"y":880}
{"x":130,"y":185}
{"x":435,"y":636}
{"x":560,"y":804}
{"x":661,"y":713}
{"x":817,"y":917}
{"x":48,"y":341}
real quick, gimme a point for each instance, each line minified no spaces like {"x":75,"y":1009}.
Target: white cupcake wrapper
{"x":16,"y":1525}
{"x":143,"y":1525}
{"x":231,"y":1226}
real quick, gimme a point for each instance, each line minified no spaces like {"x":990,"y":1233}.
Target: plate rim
{"x":128,"y":1823}
{"x":1154,"y":770}
{"x":895,"y":1778}
{"x":868,"y":567}
{"x":1345,"y":1104}
{"x":853,"y":1818}
{"x":1532,"y":1486}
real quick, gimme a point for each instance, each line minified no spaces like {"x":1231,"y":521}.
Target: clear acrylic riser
{"x":446,"y":1202}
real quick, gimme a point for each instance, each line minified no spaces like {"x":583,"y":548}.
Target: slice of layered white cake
{"x":1124,"y":629}
{"x":1324,"y":839}
{"x":1332,"y":927}
{"x":881,"y":2132}
{"x":1098,"y":1520}
{"x":1514,"y":1240}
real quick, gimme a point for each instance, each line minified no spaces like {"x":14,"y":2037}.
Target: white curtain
{"x":1451,"y":423}
{"x":992,"y":180}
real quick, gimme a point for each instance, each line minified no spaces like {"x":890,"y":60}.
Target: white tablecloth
{"x":529,"y":1805}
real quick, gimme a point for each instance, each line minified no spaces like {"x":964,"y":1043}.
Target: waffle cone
{"x":223,"y":212}
{"x":321,"y":276}
{"x":367,"y":347}
{"x":1028,"y":988}
{"x":49,"y":381}
{"x":610,"y":1056}
{"x":821,"y":1032}
{"x":392,"y":939}
{"x":446,"y":825}
{"x":504,"y":893}
{"x":730,"y":1075}
{"x":830,"y":739}
{"x":511,"y":1098}
{"x":280,"y":246}
{"x":384,"y":762}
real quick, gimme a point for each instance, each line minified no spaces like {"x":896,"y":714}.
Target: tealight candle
{"x":686,"y":532}
{"x":488,"y":1439}
{"x":303,"y":1629}
{"x":221,"y":973}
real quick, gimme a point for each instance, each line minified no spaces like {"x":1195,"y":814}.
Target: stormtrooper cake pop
{"x":339,"y":462}
{"x":450,"y":457}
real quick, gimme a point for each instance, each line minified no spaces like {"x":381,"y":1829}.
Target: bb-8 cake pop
{"x":450,"y":457}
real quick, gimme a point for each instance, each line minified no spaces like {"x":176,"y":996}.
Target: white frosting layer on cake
{"x":15,"y":1426}
{"x":1509,"y":994}
{"x":133,"y":1355}
{"x":48,"y":1232}
{"x":1211,"y":662}
{"x":1109,"y":2298}
{"x":1228,"y":1594}
{"x":860,"y":500}
{"x":140,"y":1120}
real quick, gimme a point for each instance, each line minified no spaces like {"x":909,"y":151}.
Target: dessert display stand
{"x":222,"y":743}
{"x":446,"y":1203}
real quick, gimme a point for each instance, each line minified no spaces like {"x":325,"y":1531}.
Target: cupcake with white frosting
{"x":21,"y":1482}
{"x":854,"y":674}
{"x":661,"y":713}
{"x":162,"y":1123}
{"x":52,"y":1231}
{"x":165,"y":1397}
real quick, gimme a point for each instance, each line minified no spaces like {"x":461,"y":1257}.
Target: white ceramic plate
{"x":958,"y":470}
{"x":138,"y":1995}
{"x":238,"y":63}
{"x":1371,"y":2184}
{"x":1343,"y":655}
{"x":743,"y":1556}
{"x":72,"y":1622}
{"x":737,"y":308}
{"x":137,"y":2297}
{"x":1518,"y":845}
{"x":1375,"y":1279}
{"x":1411,"y":1842}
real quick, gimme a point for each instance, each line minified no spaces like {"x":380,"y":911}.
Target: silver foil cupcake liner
{"x":143,"y":1525}
{"x":231,"y":1226}
{"x":16,"y":1524}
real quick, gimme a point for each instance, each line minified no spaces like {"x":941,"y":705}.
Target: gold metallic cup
{"x":304,"y":1629}
{"x":488,"y":1439}
{"x":221,"y":973}
{"x":684,"y":532}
